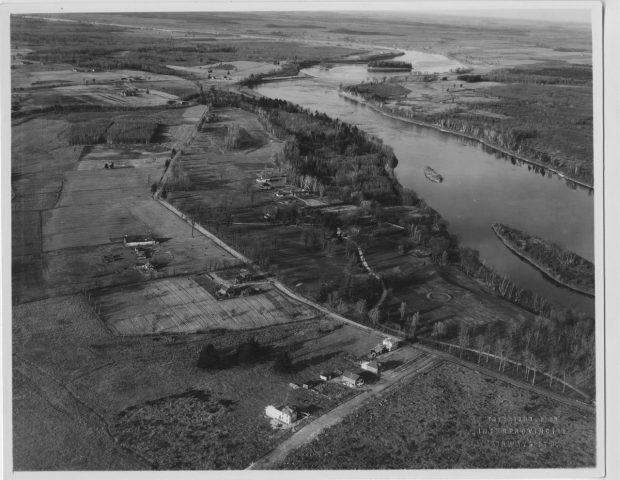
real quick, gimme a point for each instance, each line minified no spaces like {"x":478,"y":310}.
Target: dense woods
{"x":543,"y":74}
{"x":323,"y":154}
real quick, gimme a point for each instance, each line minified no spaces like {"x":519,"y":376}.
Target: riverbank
{"x":532,"y":261}
{"x":421,"y":123}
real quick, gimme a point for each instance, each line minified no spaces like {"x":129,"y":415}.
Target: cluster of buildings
{"x":288,"y":415}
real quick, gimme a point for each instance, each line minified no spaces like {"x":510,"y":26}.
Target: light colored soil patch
{"x":28,"y":76}
{"x":111,"y":95}
{"x":181,"y":305}
{"x":243,"y":69}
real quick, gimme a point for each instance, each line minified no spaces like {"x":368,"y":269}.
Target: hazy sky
{"x":558,"y":15}
{"x":555,"y":15}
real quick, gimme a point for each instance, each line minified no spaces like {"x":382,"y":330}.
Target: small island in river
{"x":389,"y":66}
{"x":564,"y":267}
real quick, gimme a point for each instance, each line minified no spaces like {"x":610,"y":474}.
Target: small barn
{"x":352,"y":379}
{"x":138,"y":240}
{"x":286,"y":414}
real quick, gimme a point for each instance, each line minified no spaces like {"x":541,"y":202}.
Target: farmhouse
{"x":351,"y":379}
{"x":286,"y":415}
{"x":138,"y":240}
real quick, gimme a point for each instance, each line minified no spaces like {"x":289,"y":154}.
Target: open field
{"x":453,"y":417}
{"x":36,"y":86}
{"x":181,"y":305}
{"x":234,"y":70}
{"x":106,"y":95}
{"x":70,"y":214}
{"x":97,"y":382}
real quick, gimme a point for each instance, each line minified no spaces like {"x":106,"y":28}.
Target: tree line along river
{"x":480,"y":186}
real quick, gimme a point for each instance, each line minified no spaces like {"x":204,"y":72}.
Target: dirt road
{"x":423,"y":363}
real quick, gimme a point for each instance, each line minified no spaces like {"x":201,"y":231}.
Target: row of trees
{"x":561,"y":345}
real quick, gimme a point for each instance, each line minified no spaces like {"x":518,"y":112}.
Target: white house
{"x":286,"y":415}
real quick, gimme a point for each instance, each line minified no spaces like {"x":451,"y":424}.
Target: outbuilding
{"x":138,"y":240}
{"x":370,"y":366}
{"x":352,"y":379}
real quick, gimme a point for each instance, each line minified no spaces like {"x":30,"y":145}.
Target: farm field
{"x":181,"y":305}
{"x":453,"y":417}
{"x":189,"y":417}
{"x":38,"y":86}
{"x":78,"y":211}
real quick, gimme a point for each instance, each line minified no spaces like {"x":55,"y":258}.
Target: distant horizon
{"x":559,"y":16}
{"x":512,"y":15}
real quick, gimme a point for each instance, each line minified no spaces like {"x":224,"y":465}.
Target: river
{"x":480,"y":186}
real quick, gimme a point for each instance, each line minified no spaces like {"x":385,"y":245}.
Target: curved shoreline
{"x":363,"y":101}
{"x":538,"y":266}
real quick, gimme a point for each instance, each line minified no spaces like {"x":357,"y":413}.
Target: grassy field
{"x":453,"y":418}
{"x":70,"y":213}
{"x":75,"y":381}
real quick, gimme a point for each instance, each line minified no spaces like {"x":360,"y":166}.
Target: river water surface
{"x":480,"y":187}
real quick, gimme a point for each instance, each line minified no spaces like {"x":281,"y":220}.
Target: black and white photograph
{"x":326,"y":239}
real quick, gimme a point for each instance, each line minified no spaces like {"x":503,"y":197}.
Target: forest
{"x":333,"y":157}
